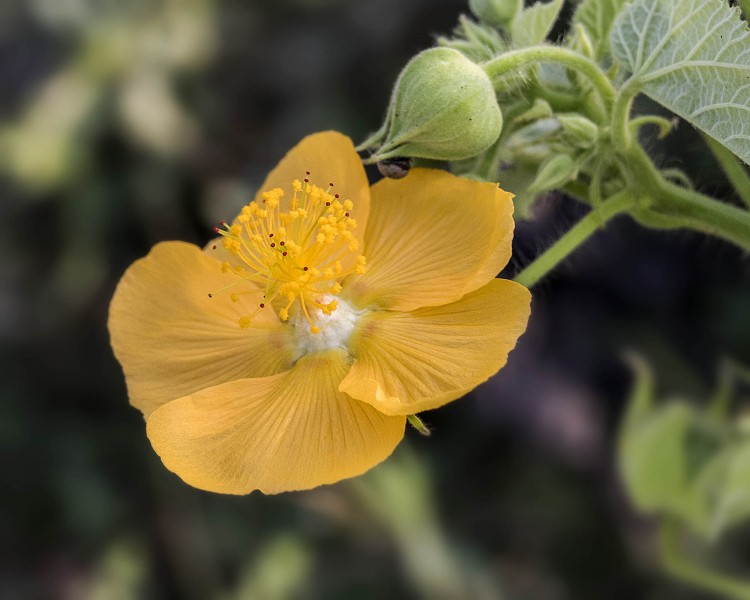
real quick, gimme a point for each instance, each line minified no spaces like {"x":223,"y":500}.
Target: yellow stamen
{"x":293,"y":250}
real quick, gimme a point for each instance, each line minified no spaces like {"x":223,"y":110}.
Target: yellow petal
{"x":172,"y":339}
{"x":432,"y":237}
{"x":215,"y":249}
{"x":286,"y":432}
{"x":407,"y":362}
{"x":331,"y":158}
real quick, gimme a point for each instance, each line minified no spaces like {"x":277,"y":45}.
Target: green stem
{"x":517,"y":59}
{"x":664,"y":125}
{"x":619,"y":203}
{"x":680,"y":567}
{"x":736,"y":173}
{"x":703,"y":213}
{"x":622,"y":137}
{"x":676,"y":206}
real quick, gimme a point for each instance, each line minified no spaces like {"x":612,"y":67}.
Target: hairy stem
{"x":524,"y":57}
{"x":681,"y":207}
{"x":619,"y":203}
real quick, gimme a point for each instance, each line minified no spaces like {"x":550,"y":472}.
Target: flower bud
{"x":495,"y":12}
{"x":443,"y":107}
{"x":578,"y":130}
{"x":554,"y":172}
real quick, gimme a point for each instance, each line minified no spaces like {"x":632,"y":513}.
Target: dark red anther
{"x":216,"y":230}
{"x":213,"y":247}
{"x":223,"y":223}
{"x":273,"y":245}
{"x":282,"y":243}
{"x":328,"y":204}
{"x":307,"y":172}
{"x":270,"y":235}
{"x":346,"y":214}
{"x":307,"y":180}
{"x":304,"y":269}
{"x":336,"y":196}
{"x":283,"y":253}
{"x":330,"y":185}
{"x":262,"y":305}
{"x":210,"y":295}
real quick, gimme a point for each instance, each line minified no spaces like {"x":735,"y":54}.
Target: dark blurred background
{"x":126,"y":123}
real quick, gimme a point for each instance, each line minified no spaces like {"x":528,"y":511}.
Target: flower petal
{"x":286,"y":432}
{"x":407,"y":362}
{"x":331,"y":158}
{"x":432,"y":238}
{"x":172,"y":339}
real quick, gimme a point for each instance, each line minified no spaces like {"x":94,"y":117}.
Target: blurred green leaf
{"x":733,"y":492}
{"x":655,"y":464}
{"x":281,"y":570}
{"x":597,"y":17}
{"x":532,"y":25}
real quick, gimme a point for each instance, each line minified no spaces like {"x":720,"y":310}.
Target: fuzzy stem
{"x":677,"y":206}
{"x":524,"y":57}
{"x":619,"y":203}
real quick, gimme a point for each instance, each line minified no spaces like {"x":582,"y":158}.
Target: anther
{"x":216,"y":230}
{"x":283,"y":243}
{"x":284,"y":253}
{"x":213,"y":247}
{"x":307,"y":172}
{"x":270,"y":235}
{"x":273,"y":245}
{"x":210,"y":295}
{"x":305,"y":268}
{"x":330,"y":185}
{"x":262,"y":305}
{"x":328,"y":204}
{"x":346,"y":214}
{"x":336,"y":196}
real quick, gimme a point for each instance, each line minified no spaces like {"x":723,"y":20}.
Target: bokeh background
{"x":124,"y":123}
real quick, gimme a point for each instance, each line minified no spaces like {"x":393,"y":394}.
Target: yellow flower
{"x":288,"y":353}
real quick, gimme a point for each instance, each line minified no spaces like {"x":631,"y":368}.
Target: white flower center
{"x":335,"y":328}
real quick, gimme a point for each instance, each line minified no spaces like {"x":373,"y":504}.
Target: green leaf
{"x":692,"y":56}
{"x":532,"y":25}
{"x":733,"y":494}
{"x":597,"y":17}
{"x":655,"y":465}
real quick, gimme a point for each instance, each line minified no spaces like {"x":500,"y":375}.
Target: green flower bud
{"x":443,"y":107}
{"x":554,"y":172}
{"x":495,"y":12}
{"x":541,"y":109}
{"x":578,"y":130}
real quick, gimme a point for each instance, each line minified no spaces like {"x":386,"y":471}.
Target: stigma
{"x":297,"y":249}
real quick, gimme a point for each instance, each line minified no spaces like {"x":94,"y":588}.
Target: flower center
{"x":295,"y":255}
{"x":335,"y":328}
